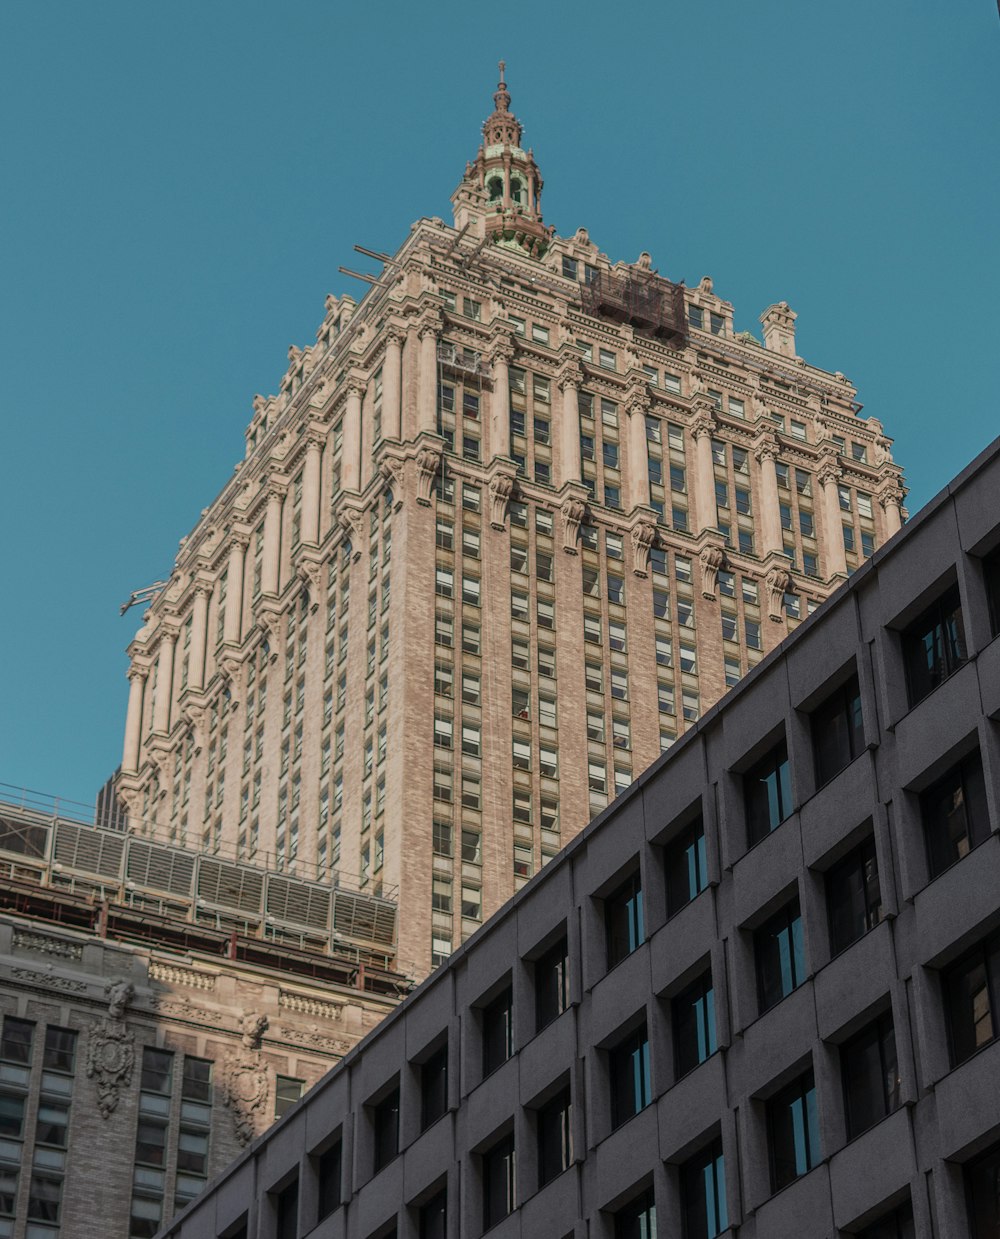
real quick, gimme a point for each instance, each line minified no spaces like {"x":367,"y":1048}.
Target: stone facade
{"x":756,"y":996}
{"x":516,"y":519}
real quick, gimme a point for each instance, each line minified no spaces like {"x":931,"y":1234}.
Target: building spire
{"x":502,"y":127}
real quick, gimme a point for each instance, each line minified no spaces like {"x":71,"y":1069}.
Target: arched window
{"x":496,"y":189}
{"x":516,"y":190}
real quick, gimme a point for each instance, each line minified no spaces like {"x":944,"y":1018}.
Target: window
{"x":328,"y":1176}
{"x":157,"y":1068}
{"x":551,"y":984}
{"x":703,"y":1194}
{"x":385,"y":1122}
{"x":433,"y":1219}
{"x":991,"y":574}
{"x":982,"y":1184}
{"x":954,"y":814}
{"x":971,"y":988}
{"x":838,"y":733}
{"x":498,"y":1031}
{"x":853,"y":896}
{"x":628,"y":1071}
{"x":60,"y":1050}
{"x":934,"y":645}
{"x":870,"y":1074}
{"x":471,"y":847}
{"x":555,"y":1137}
{"x":637,"y":1219}
{"x":286,"y":1208}
{"x":498,"y":1182}
{"x":686,"y":867}
{"x":793,"y":1131}
{"x":15,"y":1043}
{"x":607,"y":359}
{"x":696,"y":316}
{"x":767,"y":791}
{"x":780,"y":956}
{"x":693,"y":1012}
{"x":287,"y":1092}
{"x":623,"y":920}
{"x":896,"y":1225}
{"x":434,"y":1088}
{"x":717,"y":324}
{"x":569,"y":267}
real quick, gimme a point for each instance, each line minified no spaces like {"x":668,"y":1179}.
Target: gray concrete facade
{"x":944,"y":1110}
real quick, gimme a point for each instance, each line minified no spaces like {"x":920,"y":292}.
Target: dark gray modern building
{"x":759,"y":995}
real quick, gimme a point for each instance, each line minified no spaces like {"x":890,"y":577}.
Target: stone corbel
{"x":778,"y":581}
{"x":703,"y":422}
{"x":573,"y":508}
{"x":766,"y":446}
{"x":428,"y":463}
{"x":643,"y":532}
{"x":828,"y":469}
{"x":570,"y":372}
{"x":393,"y":469}
{"x":352,"y":522}
{"x":711,"y":559}
{"x":269,"y":623}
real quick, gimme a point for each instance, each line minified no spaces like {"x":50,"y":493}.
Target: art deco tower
{"x":516,"y":519}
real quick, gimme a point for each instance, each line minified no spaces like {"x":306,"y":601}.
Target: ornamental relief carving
{"x":573,"y":512}
{"x":27,"y":940}
{"x":245,"y":1082}
{"x":711,"y":559}
{"x":427,"y":466}
{"x":47,"y":981}
{"x":111,"y":1049}
{"x":171,"y":974}
{"x":643,"y":534}
{"x":310,"y":1006}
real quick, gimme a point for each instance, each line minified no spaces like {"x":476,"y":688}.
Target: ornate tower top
{"x":501,"y":192}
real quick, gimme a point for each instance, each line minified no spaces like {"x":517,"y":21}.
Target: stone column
{"x":199,"y":639}
{"x":637,"y":406}
{"x":501,"y":355}
{"x":427,"y":381}
{"x":133,"y":719}
{"x":311,"y":484}
{"x":270,"y":568}
{"x":569,"y":379}
{"x":164,"y":680}
{"x":766,"y":452}
{"x":351,"y":449}
{"x":892,"y":501}
{"x":829,"y":475}
{"x":703,"y":429}
{"x":392,"y":384}
{"x":232,"y":630}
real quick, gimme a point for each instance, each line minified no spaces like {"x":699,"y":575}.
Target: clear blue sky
{"x":183,"y":180}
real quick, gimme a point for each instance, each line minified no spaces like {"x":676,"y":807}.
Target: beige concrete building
{"x":158,"y":1010}
{"x":516,"y":519}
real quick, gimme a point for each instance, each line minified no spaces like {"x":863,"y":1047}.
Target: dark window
{"x":896,"y":1225}
{"x":386,"y":1125}
{"x":60,"y":1050}
{"x":434,"y":1088}
{"x":628,"y":1065}
{"x":11,"y":1115}
{"x":934,"y":645}
{"x":498,"y":1041}
{"x":991,"y":572}
{"x":151,"y":1142}
{"x":53,"y":1124}
{"x":954,"y":814}
{"x":853,"y":896}
{"x":15,"y":1044}
{"x":780,"y":956}
{"x":637,"y":1220}
{"x":971,"y":990}
{"x":287,"y":1209}
{"x":287,"y":1091}
{"x":693,"y":1013}
{"x":555,"y":1137}
{"x":686,"y":865}
{"x":623,"y":920}
{"x":870,"y":1074}
{"x":768,"y":791}
{"x":838,"y":732}
{"x":157,"y":1066}
{"x":793,"y":1131}
{"x":498,"y":1182}
{"x":551,"y":984}
{"x":703,"y":1194}
{"x":44,"y":1198}
{"x":328,"y":1175}
{"x":197,"y":1080}
{"x":982,"y":1185}
{"x":434,"y":1217}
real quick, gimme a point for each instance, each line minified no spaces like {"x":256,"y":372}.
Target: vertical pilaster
{"x":351,"y":450}
{"x":427,"y":381}
{"x":137,"y":675}
{"x":501,"y":355}
{"x":829,"y":475}
{"x":392,"y":384}
{"x":891,"y":500}
{"x":569,"y":379}
{"x":199,"y":638}
{"x":703,"y":429}
{"x":637,"y":406}
{"x":232,"y":630}
{"x":164,"y":679}
{"x":766,"y":453}
{"x":270,"y":569}
{"x":311,"y":485}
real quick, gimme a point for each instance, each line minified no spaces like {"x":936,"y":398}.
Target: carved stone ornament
{"x":711,"y":558}
{"x":231,"y":668}
{"x":353,"y":523}
{"x":252,"y":1029}
{"x":643,"y":533}
{"x":570,"y":374}
{"x":428,"y":461}
{"x":703,"y":423}
{"x":637,"y":400}
{"x":829,"y":471}
{"x":394,"y":471}
{"x":766,"y":447}
{"x":573,"y":512}
{"x":111,"y":1049}
{"x":777,"y":582}
{"x":501,"y":349}
{"x":245,"y":1092}
{"x":311,"y":573}
{"x":892,"y":496}
{"x":501,"y":489}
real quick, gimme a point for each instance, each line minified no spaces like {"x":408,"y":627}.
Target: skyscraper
{"x":516,"y":519}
